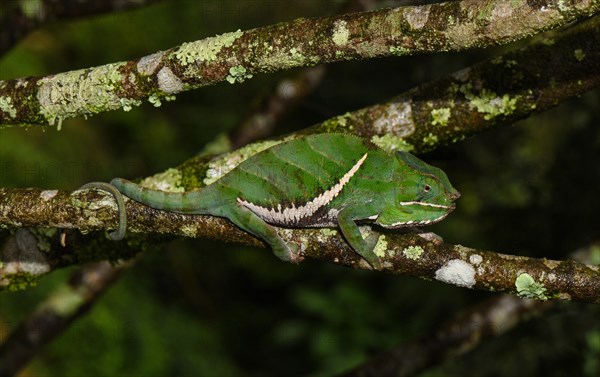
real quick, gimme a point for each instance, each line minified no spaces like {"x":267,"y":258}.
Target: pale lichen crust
{"x":168,"y":82}
{"x":397,"y":120}
{"x":457,"y":272}
{"x":340,"y":33}
{"x":6,"y":106}
{"x":169,"y":180}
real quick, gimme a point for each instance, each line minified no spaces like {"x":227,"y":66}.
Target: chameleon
{"x":320,"y":180}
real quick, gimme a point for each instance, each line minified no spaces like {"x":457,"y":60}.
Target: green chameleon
{"x":321,"y":180}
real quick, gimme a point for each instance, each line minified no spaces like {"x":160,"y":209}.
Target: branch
{"x":236,"y":56}
{"x":94,"y":210}
{"x":540,"y":77}
{"x":407,"y":254}
{"x":461,"y":334}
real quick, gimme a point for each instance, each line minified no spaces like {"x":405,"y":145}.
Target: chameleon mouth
{"x":402,"y":224}
{"x":450,"y":207}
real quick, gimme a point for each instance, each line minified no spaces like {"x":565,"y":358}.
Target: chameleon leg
{"x":363,"y":246}
{"x":251,"y":223}
{"x":119,"y":233}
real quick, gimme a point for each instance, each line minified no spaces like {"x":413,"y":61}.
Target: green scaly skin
{"x":323,"y":180}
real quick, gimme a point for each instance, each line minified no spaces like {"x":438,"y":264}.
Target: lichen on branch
{"x":237,"y":56}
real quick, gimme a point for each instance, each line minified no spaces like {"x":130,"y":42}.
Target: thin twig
{"x":67,"y":303}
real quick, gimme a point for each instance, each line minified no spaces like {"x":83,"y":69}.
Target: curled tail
{"x":119,"y":233}
{"x":194,"y":202}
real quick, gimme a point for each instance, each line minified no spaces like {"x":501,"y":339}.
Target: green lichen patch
{"x":528,"y":288}
{"x":169,"y":180}
{"x":488,"y":102}
{"x":18,"y":282}
{"x":336,"y":123}
{"x":6,"y":106}
{"x":381,"y":247}
{"x":399,"y":50}
{"x":189,"y":231}
{"x":238,"y":74}
{"x":324,"y":234}
{"x":430,"y":139}
{"x":81,"y":92}
{"x":440,"y":116}
{"x":579,"y":54}
{"x":413,"y":252}
{"x":391,"y":143}
{"x":154,"y":100}
{"x":205,"y":50}
{"x":127,"y":104}
{"x":328,"y":232}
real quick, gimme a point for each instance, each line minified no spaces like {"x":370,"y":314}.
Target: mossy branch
{"x":408,"y":254}
{"x":91,"y":211}
{"x":236,"y":56}
{"x":495,"y":92}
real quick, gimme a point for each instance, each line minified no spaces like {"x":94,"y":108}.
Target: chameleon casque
{"x":321,"y":180}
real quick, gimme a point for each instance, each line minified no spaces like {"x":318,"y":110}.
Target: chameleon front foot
{"x":369,"y":255}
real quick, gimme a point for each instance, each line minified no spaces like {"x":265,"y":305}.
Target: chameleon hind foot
{"x":119,"y":233}
{"x":290,"y":253}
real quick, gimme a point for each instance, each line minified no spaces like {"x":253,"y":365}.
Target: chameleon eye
{"x":427,"y":188}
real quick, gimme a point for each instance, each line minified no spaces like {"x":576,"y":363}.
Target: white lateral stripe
{"x":293,"y":214}
{"x":422,"y":222}
{"x":424,"y":204}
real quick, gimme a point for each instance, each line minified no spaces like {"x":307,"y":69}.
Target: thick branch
{"x":462,"y":333}
{"x":401,"y":254}
{"x":236,"y":56}
{"x":495,"y":92}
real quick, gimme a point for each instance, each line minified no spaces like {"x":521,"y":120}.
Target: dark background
{"x":210,"y":308}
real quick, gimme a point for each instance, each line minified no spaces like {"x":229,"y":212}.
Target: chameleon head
{"x":424,"y":196}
